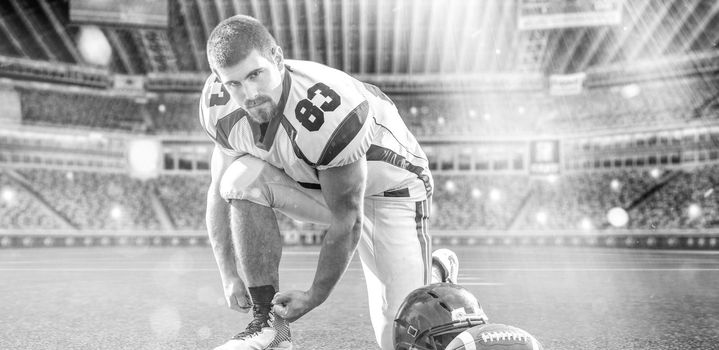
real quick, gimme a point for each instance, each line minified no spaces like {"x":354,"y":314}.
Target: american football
{"x":494,"y":336}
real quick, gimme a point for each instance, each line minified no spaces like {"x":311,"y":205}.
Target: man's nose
{"x":249,"y":91}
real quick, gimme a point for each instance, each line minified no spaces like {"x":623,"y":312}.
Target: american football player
{"x":319,"y":146}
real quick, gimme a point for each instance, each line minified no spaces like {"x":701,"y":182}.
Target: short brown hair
{"x":234,"y":39}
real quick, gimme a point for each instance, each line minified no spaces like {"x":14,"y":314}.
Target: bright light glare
{"x":542,"y":218}
{"x":116,"y":212}
{"x":450,"y":186}
{"x":93,"y":46}
{"x":694,"y":211}
{"x":476,"y":193}
{"x":655,"y":173}
{"x":144,"y":157}
{"x":631,"y":91}
{"x":495,"y":195}
{"x":617,"y":217}
{"x":8,"y":194}
{"x":586,"y":224}
{"x":615,"y":185}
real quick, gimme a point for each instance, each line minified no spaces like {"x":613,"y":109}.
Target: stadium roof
{"x":377,"y":36}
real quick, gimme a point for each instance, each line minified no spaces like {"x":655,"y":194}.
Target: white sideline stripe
{"x":300,"y":253}
{"x":591,"y":269}
{"x":481,"y":284}
{"x":121,"y":269}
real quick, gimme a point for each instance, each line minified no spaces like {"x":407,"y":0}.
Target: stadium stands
{"x":464,"y":202}
{"x":49,"y":107}
{"x":95,"y":200}
{"x":175,"y":113}
{"x":20,"y":210}
{"x":677,"y":199}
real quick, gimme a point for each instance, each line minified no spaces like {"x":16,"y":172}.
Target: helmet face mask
{"x":431,"y":316}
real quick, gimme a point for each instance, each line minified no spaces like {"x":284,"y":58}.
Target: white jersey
{"x":328,"y":119}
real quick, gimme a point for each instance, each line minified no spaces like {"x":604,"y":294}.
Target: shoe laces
{"x":261,"y":319}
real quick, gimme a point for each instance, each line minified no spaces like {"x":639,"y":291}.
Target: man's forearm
{"x":338,"y":247}
{"x":218,"y":229}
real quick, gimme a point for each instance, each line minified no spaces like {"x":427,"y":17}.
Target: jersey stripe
{"x":225,"y":124}
{"x":379,"y":153}
{"x":425,"y":244}
{"x":345,"y":133}
{"x":292,"y":135}
{"x":266,"y":139}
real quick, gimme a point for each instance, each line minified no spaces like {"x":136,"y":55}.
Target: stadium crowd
{"x":674,"y":199}
{"x":426,"y":115}
{"x":680,"y":198}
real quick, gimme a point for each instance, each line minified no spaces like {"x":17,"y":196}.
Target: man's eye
{"x":254,"y":75}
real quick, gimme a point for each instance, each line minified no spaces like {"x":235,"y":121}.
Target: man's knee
{"x":245,"y":179}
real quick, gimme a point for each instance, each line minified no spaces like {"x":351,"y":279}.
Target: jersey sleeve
{"x":211,"y":111}
{"x":345,"y":133}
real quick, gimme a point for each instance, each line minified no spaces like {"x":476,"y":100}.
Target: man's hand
{"x":236,"y":296}
{"x":292,"y":305}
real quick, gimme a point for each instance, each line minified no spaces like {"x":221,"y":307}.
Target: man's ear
{"x":279,"y":57}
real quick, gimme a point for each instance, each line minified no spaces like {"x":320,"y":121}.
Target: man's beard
{"x":263,"y":109}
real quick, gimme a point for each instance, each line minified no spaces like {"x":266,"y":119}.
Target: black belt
{"x":402,"y":192}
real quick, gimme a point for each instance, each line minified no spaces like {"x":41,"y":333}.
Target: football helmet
{"x":431,"y":316}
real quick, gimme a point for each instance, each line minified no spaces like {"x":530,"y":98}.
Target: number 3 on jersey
{"x":310,"y":115}
{"x":219,"y":96}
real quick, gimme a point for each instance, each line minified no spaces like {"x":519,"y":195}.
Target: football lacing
{"x":505,"y":335}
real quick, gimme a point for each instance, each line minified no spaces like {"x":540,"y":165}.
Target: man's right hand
{"x":236,"y":296}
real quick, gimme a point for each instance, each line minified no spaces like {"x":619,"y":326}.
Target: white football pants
{"x":395,"y":247}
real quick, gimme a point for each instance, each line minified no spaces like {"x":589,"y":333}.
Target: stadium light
{"x":116,"y":212}
{"x":655,"y":173}
{"x":630,"y":91}
{"x":615,"y":185}
{"x":8,"y":195}
{"x":476,"y":193}
{"x":450,"y":186}
{"x":695,"y":211}
{"x":93,"y":46}
{"x":495,"y":195}
{"x":586,"y":224}
{"x":70,"y":176}
{"x":542,"y":218}
{"x":161,"y":108}
{"x":617,"y":217}
{"x":552,"y":178}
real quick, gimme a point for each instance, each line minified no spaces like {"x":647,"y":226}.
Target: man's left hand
{"x":292,"y":305}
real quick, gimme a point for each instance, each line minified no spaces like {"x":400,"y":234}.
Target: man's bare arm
{"x":217,"y":219}
{"x":343,"y":189}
